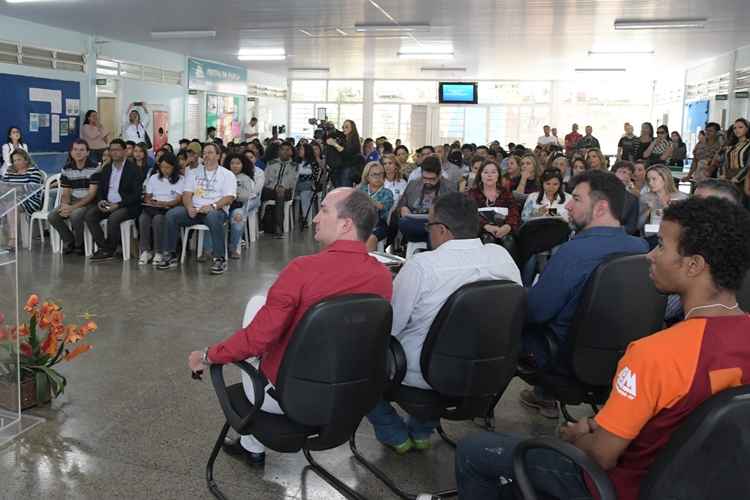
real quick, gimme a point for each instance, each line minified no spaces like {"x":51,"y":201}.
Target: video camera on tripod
{"x":325,"y":130}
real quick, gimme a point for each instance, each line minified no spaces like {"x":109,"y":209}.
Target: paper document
{"x":55,"y":123}
{"x":33,"y":122}
{"x":53,"y":97}
{"x":498,"y":210}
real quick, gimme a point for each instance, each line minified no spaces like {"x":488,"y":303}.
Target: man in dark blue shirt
{"x":597,"y":202}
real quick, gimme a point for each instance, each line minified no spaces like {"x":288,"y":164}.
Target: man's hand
{"x":192,"y":212}
{"x":206,"y":209}
{"x":238,"y":217}
{"x":103,"y":206}
{"x":571,"y":432}
{"x":195,"y":361}
{"x":65,"y":210}
{"x":405,"y":211}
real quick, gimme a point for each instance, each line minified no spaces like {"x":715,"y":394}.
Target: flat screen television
{"x":457,"y":93}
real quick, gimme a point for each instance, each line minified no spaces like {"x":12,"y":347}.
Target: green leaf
{"x":33,"y":339}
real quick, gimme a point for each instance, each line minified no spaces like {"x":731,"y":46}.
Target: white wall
{"x":140,"y":54}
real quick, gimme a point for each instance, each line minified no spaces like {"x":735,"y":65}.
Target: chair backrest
{"x":52,"y":179}
{"x":619,"y":304}
{"x":472,"y":346}
{"x":708,"y":456}
{"x":743,"y":295}
{"x":333,"y":372}
{"x":541,"y":235}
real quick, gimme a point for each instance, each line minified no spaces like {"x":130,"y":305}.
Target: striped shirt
{"x":78,"y":180}
{"x":32,"y":176}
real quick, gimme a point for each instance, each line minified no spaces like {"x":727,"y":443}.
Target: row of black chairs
{"x":333,"y":372}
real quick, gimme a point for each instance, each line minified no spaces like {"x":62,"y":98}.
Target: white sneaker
{"x":157,"y":259}
{"x":145,"y":258}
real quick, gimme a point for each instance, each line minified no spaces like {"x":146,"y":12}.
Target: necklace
{"x":691,"y":311}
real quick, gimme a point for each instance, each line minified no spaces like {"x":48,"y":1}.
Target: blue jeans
{"x":178,"y":218}
{"x":237,"y":229}
{"x":343,"y":177}
{"x":483,"y":459}
{"x":391,"y":429}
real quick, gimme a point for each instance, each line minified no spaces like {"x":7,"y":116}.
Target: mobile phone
{"x":552,"y":211}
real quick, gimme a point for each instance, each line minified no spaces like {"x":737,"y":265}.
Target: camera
{"x":325,"y":130}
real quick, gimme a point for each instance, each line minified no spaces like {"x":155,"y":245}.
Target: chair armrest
{"x":597,"y":475}
{"x":237,"y":421}
{"x":395,"y":364}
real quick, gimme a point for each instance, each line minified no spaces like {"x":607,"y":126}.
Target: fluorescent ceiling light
{"x":262,"y":52}
{"x":442,"y":68}
{"x":622,"y":52}
{"x":362,"y":28}
{"x":161,"y":35}
{"x":602,"y":70}
{"x":659,"y":24}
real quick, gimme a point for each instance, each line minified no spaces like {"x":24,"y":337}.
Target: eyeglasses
{"x":429,"y":179}
{"x":375,"y":174}
{"x":429,"y":225}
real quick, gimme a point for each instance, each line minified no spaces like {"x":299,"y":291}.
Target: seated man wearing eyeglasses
{"x":418,"y":197}
{"x":703,"y":255}
{"x":421,"y":288}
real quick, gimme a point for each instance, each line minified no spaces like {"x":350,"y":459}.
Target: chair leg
{"x":444,"y":436}
{"x":387,"y":480}
{"x":330,"y":478}
{"x":212,"y":486}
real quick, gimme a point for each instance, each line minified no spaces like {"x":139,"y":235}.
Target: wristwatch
{"x":204,"y":357}
{"x":213,"y":205}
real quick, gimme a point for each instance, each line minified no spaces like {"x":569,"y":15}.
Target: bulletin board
{"x":48,"y":112}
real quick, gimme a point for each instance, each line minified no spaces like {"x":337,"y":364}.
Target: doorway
{"x":107,"y":111}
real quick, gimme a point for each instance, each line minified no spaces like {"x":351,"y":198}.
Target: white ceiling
{"x":507,"y":39}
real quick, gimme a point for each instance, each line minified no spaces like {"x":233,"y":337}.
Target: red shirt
{"x":662,"y":379}
{"x":571,"y":140}
{"x":343,"y":268}
{"x":504,"y":200}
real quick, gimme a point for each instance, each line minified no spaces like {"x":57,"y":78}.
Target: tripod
{"x":318,"y":188}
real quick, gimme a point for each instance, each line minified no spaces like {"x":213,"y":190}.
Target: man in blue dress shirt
{"x":594,"y":210}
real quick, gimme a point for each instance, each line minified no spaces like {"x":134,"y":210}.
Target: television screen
{"x":458,"y":93}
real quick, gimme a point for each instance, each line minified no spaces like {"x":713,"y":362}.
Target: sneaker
{"x":403,"y":448}
{"x":157,"y":259}
{"x":102,"y":255}
{"x":169,"y":261}
{"x":547,"y":407}
{"x":205,"y":257}
{"x":421,"y":444}
{"x":219,"y":266}
{"x":235,"y":255}
{"x":146,"y":257}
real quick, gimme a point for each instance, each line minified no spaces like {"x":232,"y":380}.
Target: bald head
{"x":345,"y":214}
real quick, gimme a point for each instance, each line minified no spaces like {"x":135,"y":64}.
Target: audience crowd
{"x":472,"y":209}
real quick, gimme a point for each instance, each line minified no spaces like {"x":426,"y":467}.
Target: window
{"x":392,"y":121}
{"x":414,"y":91}
{"x":345,"y":90}
{"x":309,"y":90}
{"x":514,"y":92}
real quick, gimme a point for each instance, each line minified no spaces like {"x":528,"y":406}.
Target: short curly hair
{"x":717,"y":230}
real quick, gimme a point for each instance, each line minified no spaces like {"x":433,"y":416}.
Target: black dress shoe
{"x":102,"y":255}
{"x":80,"y":251}
{"x":68,"y":249}
{"x":233,"y":447}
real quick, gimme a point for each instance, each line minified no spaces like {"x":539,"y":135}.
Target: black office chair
{"x":469,"y":356}
{"x":743,"y":295}
{"x":619,"y":304}
{"x":538,"y":236}
{"x":707,"y":457}
{"x":331,"y":376}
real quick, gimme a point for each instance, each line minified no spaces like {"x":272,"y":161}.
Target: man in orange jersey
{"x":703,"y":255}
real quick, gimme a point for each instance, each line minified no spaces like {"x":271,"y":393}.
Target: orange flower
{"x":49,"y":346}
{"x":44,"y":321}
{"x":56,"y":318}
{"x":90,"y":326}
{"x":78,"y":350}
{"x":23,"y":331}
{"x":31,"y":303}
{"x":71,"y":334}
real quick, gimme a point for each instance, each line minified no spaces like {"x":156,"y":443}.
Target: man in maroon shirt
{"x":571,"y":140}
{"x":343,"y":267}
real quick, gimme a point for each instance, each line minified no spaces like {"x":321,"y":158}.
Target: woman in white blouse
{"x":550,"y":202}
{"x":15,"y":141}
{"x":135,"y":129}
{"x":394,"y":181}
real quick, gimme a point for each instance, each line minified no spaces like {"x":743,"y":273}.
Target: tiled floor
{"x":132,"y":424}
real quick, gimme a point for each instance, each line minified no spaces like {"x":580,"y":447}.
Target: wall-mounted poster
{"x":223,"y":112}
